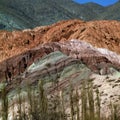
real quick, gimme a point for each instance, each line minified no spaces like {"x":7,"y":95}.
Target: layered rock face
{"x":95,"y":58}
{"x":102,"y":34}
{"x":58,"y":65}
{"x":50,"y":54}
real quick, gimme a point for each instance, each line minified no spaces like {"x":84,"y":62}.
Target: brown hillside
{"x":105,"y":34}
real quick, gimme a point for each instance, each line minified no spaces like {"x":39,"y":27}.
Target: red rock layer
{"x":103,"y":33}
{"x":80,"y":51}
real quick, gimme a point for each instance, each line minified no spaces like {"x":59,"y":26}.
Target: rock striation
{"x":95,"y":59}
{"x":60,"y":54}
{"x":101,"y":34}
{"x":58,"y":68}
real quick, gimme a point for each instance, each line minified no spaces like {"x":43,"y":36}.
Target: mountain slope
{"x":36,"y":12}
{"x":111,"y":12}
{"x":102,"y":34}
{"x":59,"y":66}
{"x":28,"y":14}
{"x":50,"y":54}
{"x":12,"y":20}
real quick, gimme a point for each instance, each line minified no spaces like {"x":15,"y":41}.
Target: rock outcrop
{"x":95,"y":58}
{"x":59,"y":71}
{"x":102,"y":34}
{"x":65,"y":52}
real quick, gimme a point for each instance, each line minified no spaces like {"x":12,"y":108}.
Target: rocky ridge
{"x":102,"y":34}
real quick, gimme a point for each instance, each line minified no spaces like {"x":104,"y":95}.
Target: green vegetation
{"x":82,"y":103}
{"x":22,"y":14}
